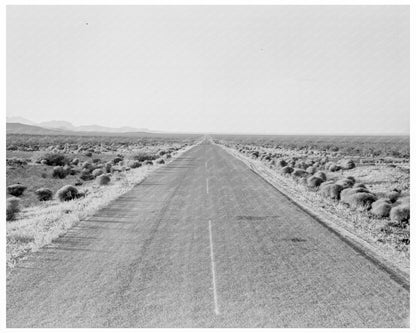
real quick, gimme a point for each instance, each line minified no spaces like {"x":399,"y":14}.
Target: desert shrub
{"x":301,"y":165}
{"x":347,"y":164}
{"x":16,"y":189}
{"x":86,"y":175}
{"x":162,"y":152}
{"x":68,"y":170}
{"x":332,"y":167}
{"x":96,"y":160}
{"x":97,"y":172}
{"x":393,"y":195}
{"x":281,"y":163}
{"x":58,"y":172}
{"x":359,"y":185}
{"x":168,"y":156}
{"x":67,"y":192}
{"x":401,"y":213}
{"x":44,"y":194}
{"x":117,"y":159}
{"x":148,"y":163}
{"x":108,"y":167}
{"x":255,"y":154}
{"x":135,"y":164}
{"x":299,"y":172}
{"x":103,"y":179}
{"x":86,"y":165}
{"x":314,"y":181}
{"x":88,"y":154}
{"x":141,"y":157}
{"x":161,"y":161}
{"x":381,"y":208}
{"x":75,"y":161}
{"x":54,"y":159}
{"x":321,"y":175}
{"x":330,"y":190}
{"x":357,"y":197}
{"x":311,"y":170}
{"x":345,"y":182}
{"x":78,"y":182}
{"x":16,"y":161}
{"x":12,"y":207}
{"x":287,"y":170}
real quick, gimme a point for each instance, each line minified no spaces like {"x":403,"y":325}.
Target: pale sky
{"x":247,"y":69}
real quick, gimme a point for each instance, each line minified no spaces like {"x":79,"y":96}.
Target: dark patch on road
{"x":255,"y":218}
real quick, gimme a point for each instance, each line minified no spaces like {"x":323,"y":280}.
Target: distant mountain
{"x":20,"y":120}
{"x":67,"y":126}
{"x":56,"y":124}
{"x":17,"y":128}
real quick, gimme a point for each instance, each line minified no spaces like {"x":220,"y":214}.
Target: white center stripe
{"x":214,"y":285}
{"x":207,"y":187}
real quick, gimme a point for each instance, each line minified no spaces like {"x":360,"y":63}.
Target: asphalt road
{"x":202,"y":242}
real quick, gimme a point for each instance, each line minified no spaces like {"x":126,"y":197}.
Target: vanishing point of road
{"x":202,"y":242}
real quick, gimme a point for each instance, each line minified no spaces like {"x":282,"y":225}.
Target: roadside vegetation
{"x":50,"y":188}
{"x":368,"y":192}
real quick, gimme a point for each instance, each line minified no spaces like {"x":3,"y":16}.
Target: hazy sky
{"x":254,"y":69}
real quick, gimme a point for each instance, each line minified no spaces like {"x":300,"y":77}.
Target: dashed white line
{"x":214,"y":284}
{"x":207,"y":186}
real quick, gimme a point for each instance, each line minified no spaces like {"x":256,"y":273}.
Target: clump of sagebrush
{"x":286,"y":170}
{"x":58,"y":172}
{"x":357,"y":197}
{"x":144,"y":156}
{"x":67,"y":192}
{"x":16,"y":189}
{"x":86,"y":165}
{"x":15,"y":161}
{"x":311,"y":170}
{"x":161,"y":161}
{"x":393,"y":195}
{"x":381,"y":208}
{"x":97,"y":172}
{"x":103,"y":179}
{"x":347,"y":164}
{"x":86,"y":175}
{"x":314,"y":181}
{"x":281,"y":163}
{"x":44,"y":194}
{"x":54,"y":159}
{"x":401,"y":212}
{"x":75,"y":161}
{"x":346,"y":182}
{"x":12,"y":208}
{"x":108,"y":167}
{"x":321,"y":175}
{"x":148,"y":163}
{"x":330,"y":190}
{"x":299,"y":172}
{"x":135,"y":164}
{"x":332,"y":167}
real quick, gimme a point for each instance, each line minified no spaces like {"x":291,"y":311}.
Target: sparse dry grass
{"x":38,"y":225}
{"x":389,"y":239}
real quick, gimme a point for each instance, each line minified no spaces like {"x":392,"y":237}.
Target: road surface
{"x":202,"y":242}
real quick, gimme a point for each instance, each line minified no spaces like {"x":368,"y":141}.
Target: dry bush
{"x":86,"y":175}
{"x":58,"y":172}
{"x":401,"y":213}
{"x":314,"y":181}
{"x":97,"y":172}
{"x":44,"y":194}
{"x":134,"y":164}
{"x":357,"y":197}
{"x":346,"y":182}
{"x":16,"y":189}
{"x":287,"y":170}
{"x":393,"y":195}
{"x":281,"y":163}
{"x":67,"y":192}
{"x":311,"y":170}
{"x":103,"y":179}
{"x":330,"y":190}
{"x":299,"y":173}
{"x":54,"y":159}
{"x":12,"y":207}
{"x":347,"y":164}
{"x":381,"y":208}
{"x":321,"y":175}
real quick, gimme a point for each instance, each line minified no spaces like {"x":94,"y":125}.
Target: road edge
{"x":359,"y":245}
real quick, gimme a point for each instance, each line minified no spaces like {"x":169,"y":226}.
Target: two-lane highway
{"x":202,"y":242}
